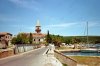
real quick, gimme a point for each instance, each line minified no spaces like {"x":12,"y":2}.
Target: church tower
{"x":38,"y":29}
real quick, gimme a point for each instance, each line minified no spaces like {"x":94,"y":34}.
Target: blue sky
{"x":63,"y":17}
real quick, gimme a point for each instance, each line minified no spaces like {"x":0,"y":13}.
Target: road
{"x":34,"y":58}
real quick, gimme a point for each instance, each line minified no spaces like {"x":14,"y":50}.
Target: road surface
{"x":34,"y":58}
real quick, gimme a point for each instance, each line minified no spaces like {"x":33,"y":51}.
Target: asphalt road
{"x":34,"y":58}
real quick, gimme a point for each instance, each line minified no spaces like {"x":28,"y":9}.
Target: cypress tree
{"x":48,"y":38}
{"x":30,"y":38}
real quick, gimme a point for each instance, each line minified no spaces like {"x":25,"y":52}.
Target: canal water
{"x":81,"y":53}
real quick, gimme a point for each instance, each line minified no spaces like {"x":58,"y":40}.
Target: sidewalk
{"x":81,"y":65}
{"x":50,"y":60}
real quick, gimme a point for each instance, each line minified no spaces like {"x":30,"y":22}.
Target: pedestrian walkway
{"x":50,"y":60}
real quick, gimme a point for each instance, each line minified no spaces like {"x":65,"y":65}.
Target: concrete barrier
{"x":64,"y":59}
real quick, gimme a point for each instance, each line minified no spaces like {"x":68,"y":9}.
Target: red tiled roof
{"x":5,"y":33}
{"x":36,"y":34}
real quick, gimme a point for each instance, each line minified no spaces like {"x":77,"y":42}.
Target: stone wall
{"x":64,"y":59}
{"x":15,"y":50}
{"x":23,"y":48}
{"x":6,"y":53}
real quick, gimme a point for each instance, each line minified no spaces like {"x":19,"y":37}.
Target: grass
{"x":90,"y":61}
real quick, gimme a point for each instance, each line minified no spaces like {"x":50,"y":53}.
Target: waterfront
{"x":82,"y":53}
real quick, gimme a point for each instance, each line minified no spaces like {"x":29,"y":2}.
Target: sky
{"x":60,"y":17}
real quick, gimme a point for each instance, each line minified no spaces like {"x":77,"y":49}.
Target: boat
{"x":88,"y":49}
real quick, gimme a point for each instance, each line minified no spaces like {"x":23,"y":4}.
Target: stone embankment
{"x":64,"y":59}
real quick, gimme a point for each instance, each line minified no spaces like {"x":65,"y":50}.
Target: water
{"x":81,"y":54}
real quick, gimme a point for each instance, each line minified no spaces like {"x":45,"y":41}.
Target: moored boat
{"x":90,"y":50}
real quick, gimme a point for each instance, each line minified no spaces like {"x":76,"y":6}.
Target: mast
{"x":87,"y":35}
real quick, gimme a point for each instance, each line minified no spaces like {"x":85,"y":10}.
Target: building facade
{"x":5,"y":39}
{"x":38,"y":37}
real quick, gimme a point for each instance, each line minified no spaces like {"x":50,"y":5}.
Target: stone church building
{"x":38,"y":37}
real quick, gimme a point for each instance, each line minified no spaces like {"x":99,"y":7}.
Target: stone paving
{"x":50,"y":60}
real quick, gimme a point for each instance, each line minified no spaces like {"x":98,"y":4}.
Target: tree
{"x":57,"y":40}
{"x":48,"y":38}
{"x":13,"y":40}
{"x":24,"y":38}
{"x":21,"y":38}
{"x":30,"y":38}
{"x":75,"y":41}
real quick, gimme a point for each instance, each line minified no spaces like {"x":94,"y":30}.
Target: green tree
{"x":30,"y":38}
{"x":21,"y":38}
{"x":24,"y":38}
{"x":75,"y":41}
{"x":13,"y":40}
{"x":57,"y":40}
{"x":48,"y":38}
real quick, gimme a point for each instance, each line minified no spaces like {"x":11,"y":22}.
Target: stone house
{"x":5,"y":39}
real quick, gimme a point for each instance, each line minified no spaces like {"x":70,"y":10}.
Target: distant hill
{"x":92,"y":39}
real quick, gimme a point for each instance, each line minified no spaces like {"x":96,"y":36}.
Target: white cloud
{"x":62,"y":25}
{"x":94,"y":24}
{"x":32,"y":4}
{"x":91,"y":23}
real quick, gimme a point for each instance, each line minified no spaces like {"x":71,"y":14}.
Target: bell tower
{"x":38,"y":29}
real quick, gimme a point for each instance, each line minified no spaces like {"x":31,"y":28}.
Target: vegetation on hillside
{"x":57,"y":39}
{"x":83,"y":39}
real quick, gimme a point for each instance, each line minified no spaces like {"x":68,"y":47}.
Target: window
{"x":39,"y":39}
{"x":6,"y":36}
